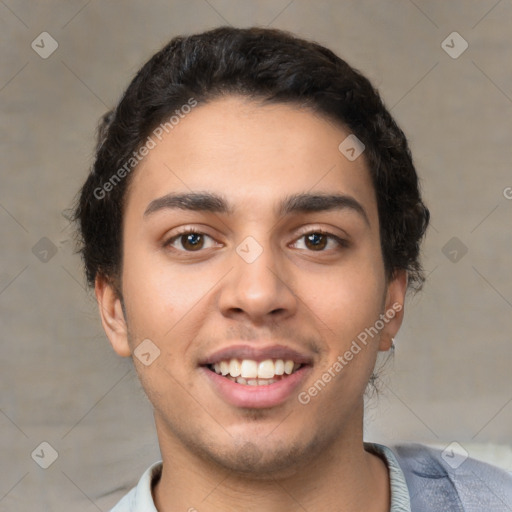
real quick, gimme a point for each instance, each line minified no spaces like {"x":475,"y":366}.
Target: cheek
{"x":346,"y":300}
{"x":345,"y":307}
{"x":160,"y":295}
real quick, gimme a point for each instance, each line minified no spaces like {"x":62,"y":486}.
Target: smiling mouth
{"x":250,"y":372}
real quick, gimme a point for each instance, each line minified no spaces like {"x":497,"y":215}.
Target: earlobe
{"x":112,"y":315}
{"x":393,"y":309}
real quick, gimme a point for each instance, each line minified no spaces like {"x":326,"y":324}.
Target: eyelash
{"x":342,"y":243}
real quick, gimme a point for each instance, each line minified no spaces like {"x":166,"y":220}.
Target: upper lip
{"x":257,"y":354}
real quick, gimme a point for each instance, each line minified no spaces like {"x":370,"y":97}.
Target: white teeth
{"x":288,"y":367}
{"x":266,"y":369}
{"x":224,"y":367}
{"x":249,"y":369}
{"x":234,"y":368}
{"x":254,"y":373}
{"x":252,"y":382}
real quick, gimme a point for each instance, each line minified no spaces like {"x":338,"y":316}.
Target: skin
{"x":190,"y":303}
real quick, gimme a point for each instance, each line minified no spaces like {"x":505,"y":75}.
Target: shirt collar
{"x":143,"y":497}
{"x":400,"y":499}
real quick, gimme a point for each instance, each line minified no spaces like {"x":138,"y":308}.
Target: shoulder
{"x":445,"y":480}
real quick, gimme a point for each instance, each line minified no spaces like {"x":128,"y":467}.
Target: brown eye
{"x":316,"y":241}
{"x":190,"y":241}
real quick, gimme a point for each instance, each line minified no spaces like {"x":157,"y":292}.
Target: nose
{"x":258,"y":287}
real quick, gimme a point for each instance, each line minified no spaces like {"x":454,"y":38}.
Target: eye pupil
{"x":192,"y":241}
{"x":316,"y":240}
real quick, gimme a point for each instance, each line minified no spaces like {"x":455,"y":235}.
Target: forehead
{"x":254,"y":154}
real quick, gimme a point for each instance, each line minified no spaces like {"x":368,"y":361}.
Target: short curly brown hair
{"x":269,"y":65}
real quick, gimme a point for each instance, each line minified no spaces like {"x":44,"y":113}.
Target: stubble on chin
{"x":260,"y":460}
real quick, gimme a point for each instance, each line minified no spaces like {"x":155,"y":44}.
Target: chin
{"x":264,"y":460}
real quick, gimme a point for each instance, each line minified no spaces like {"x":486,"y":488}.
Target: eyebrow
{"x":296,"y":203}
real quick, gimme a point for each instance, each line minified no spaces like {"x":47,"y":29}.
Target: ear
{"x":112,"y":316}
{"x":393,"y":313}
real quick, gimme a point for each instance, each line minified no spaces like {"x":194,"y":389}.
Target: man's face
{"x":272,"y":275}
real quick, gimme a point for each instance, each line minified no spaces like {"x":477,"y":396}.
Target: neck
{"x":335,"y":479}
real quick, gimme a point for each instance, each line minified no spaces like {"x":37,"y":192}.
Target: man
{"x":251,"y":226}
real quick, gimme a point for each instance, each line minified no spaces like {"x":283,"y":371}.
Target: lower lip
{"x":257,"y":397}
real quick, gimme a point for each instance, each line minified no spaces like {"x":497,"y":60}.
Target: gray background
{"x":62,"y":383}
